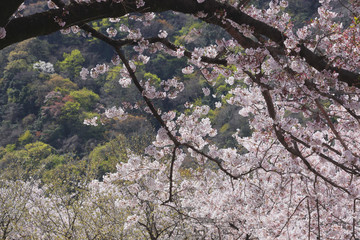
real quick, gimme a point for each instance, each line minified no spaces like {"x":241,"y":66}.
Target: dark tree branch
{"x":173,"y":158}
{"x":279,"y":132}
{"x":289,"y":218}
{"x":146,"y":99}
{"x":7,"y":9}
{"x":149,"y":103}
{"x":59,"y":3}
{"x":318,"y":219}
{"x":342,"y":166}
{"x":353,"y":236}
{"x":331,"y":125}
{"x":19,"y":29}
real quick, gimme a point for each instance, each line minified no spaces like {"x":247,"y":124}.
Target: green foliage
{"x":50,"y":108}
{"x":58,"y":83}
{"x":153,"y":77}
{"x":24,"y":163}
{"x":301,"y":11}
{"x":86,"y":98}
{"x":72,"y":63}
{"x":356,"y":20}
{"x":38,"y":150}
{"x":113,"y":74}
{"x":25,"y":138}
{"x":17,"y":55}
{"x":14,"y":67}
{"x":224,"y":128}
{"x":53,"y":160}
{"x":13,"y":95}
{"x":67,"y":174}
{"x":10,"y":147}
{"x":36,"y":49}
{"x":165,"y":66}
{"x":184,"y":35}
{"x":103,"y":24}
{"x":103,"y":158}
{"x":70,"y":111}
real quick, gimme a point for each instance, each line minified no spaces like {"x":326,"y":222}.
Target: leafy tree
{"x":86,"y":98}
{"x":70,"y":111}
{"x":25,"y":138}
{"x":57,"y":81}
{"x":104,"y":158}
{"x":71,"y":65}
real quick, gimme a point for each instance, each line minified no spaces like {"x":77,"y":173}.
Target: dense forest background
{"x":44,"y":101}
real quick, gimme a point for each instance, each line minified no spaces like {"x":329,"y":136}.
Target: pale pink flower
{"x":115,"y":112}
{"x":75,"y":29}
{"x":115,"y":60}
{"x":302,"y":32}
{"x":134,"y":34}
{"x":188,"y":70}
{"x":2,"y":33}
{"x":162,"y":34}
{"x":125,"y":82}
{"x":290,"y":43}
{"x":65,"y":31}
{"x":140,"y":3}
{"x":51,"y":5}
{"x":124,"y":28}
{"x":94,"y":73}
{"x":91,"y":122}
{"x":201,"y":14}
{"x":284,"y":4}
{"x":84,"y":73}
{"x":59,"y":21}
{"x":230,"y":80}
{"x":144,"y":59}
{"x":102,"y":68}
{"x":179,"y":52}
{"x":206,"y":91}
{"x":111,"y":31}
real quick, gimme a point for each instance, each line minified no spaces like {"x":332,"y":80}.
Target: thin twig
{"x":289,"y":218}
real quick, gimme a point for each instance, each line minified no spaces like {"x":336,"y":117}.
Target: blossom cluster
{"x":43,"y":66}
{"x":94,"y":72}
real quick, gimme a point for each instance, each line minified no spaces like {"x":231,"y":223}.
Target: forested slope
{"x":44,"y":101}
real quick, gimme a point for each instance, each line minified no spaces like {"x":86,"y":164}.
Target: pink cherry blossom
{"x":2,"y":33}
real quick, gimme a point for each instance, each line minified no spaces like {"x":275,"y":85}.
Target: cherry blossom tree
{"x":296,"y":179}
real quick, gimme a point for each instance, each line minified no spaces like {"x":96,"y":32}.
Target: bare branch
{"x":331,"y":125}
{"x":173,"y":158}
{"x":7,"y":9}
{"x":289,"y":218}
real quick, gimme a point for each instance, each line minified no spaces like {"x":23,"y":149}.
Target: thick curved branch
{"x":19,"y":29}
{"x":7,"y":9}
{"x":43,"y":23}
{"x":173,"y":158}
